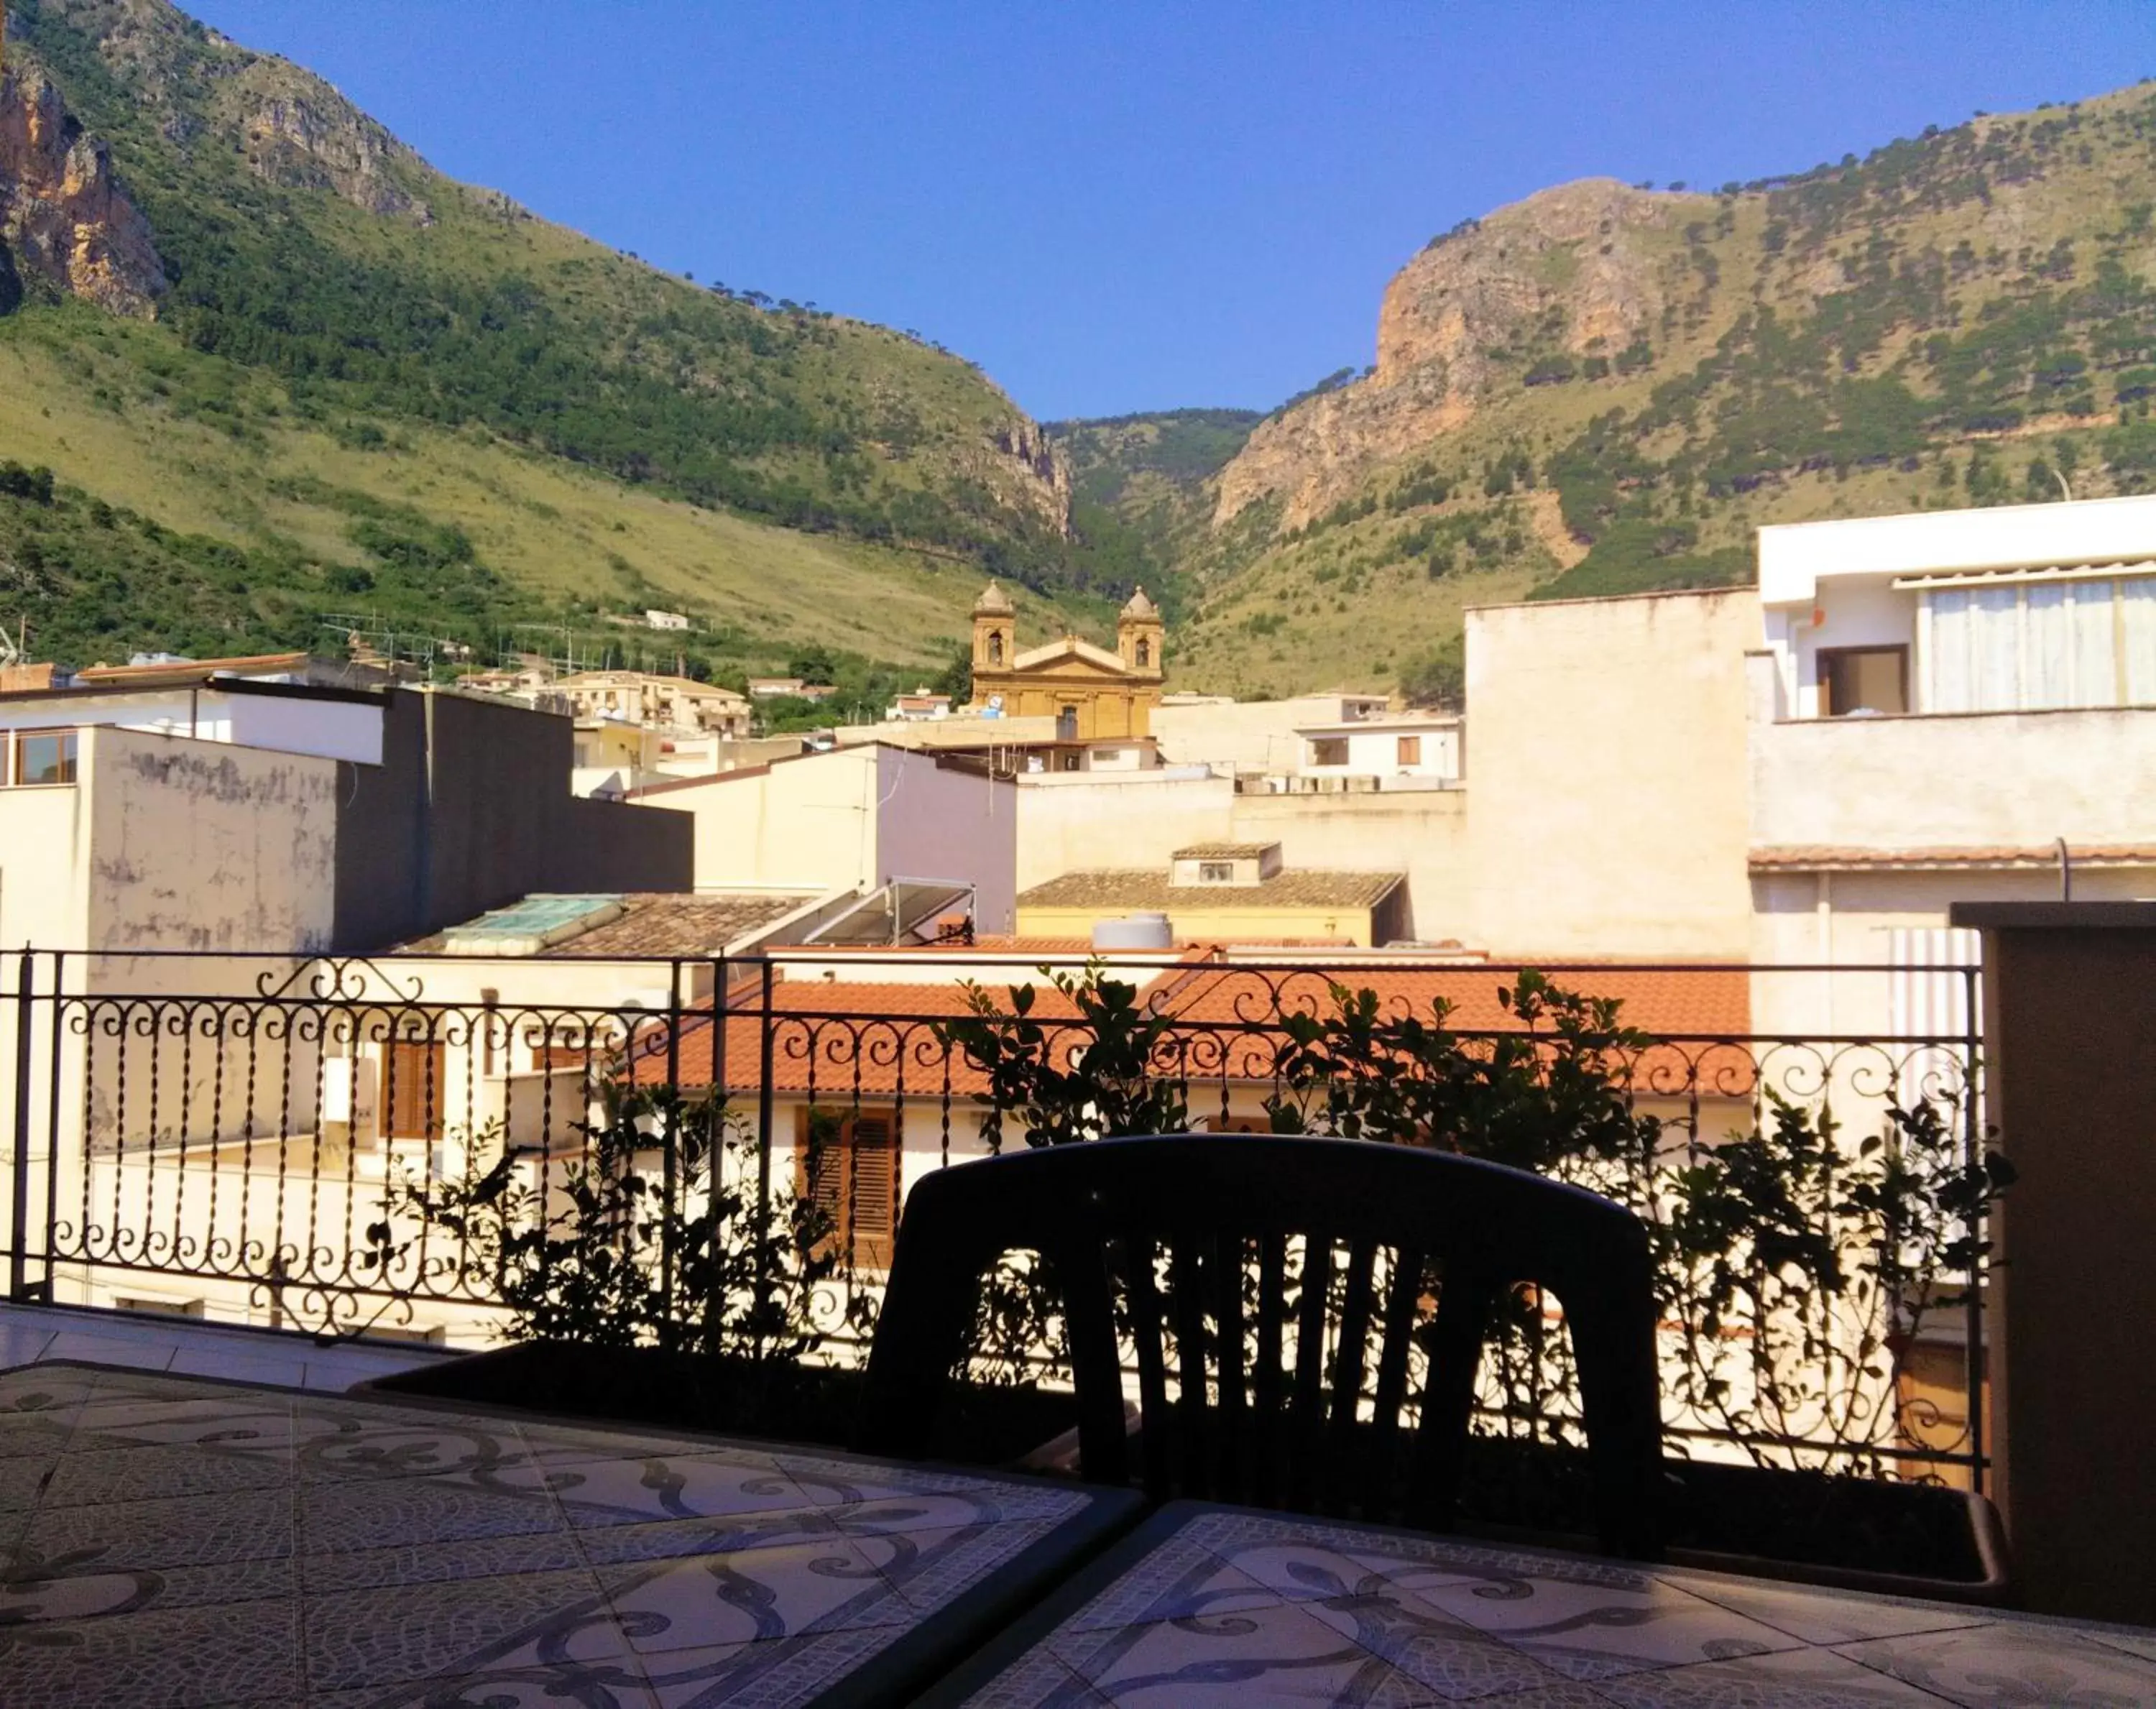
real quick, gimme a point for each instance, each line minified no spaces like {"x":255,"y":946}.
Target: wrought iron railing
{"x":225,"y":1135}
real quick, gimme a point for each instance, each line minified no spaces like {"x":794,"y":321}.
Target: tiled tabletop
{"x":1204,"y":1605}
{"x":174,"y":1542}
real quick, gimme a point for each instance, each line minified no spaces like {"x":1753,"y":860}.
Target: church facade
{"x":1092,"y":693}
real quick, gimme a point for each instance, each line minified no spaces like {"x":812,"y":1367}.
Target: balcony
{"x":2001,"y":787}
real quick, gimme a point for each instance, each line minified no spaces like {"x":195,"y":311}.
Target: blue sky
{"x":1117,"y":207}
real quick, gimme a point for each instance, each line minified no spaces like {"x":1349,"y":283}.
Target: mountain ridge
{"x":307,"y":276}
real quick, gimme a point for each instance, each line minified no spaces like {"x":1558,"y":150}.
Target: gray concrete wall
{"x":471,"y":809}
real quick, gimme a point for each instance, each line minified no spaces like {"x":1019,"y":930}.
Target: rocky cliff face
{"x":294,"y":129}
{"x":1569,"y":269}
{"x":64,"y":218}
{"x":1032,"y":468}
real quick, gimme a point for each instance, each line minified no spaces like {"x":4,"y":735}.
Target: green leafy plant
{"x":650,"y":1236}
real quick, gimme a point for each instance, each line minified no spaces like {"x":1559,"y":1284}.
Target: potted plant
{"x":646,"y":1281}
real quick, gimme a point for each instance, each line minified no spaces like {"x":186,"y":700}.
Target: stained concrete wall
{"x":204,"y":845}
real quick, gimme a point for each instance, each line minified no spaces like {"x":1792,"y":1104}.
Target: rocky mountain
{"x":253,"y":319}
{"x":64,"y":221}
{"x":1603,"y":389}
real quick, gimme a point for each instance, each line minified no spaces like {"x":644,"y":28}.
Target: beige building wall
{"x":1195,"y":923}
{"x":1245,"y":735}
{"x":1422,"y":834}
{"x":809,"y":824}
{"x":45,"y":867}
{"x":1608,"y":810}
{"x":1082,"y":821}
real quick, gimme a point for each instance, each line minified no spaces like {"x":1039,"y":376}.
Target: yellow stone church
{"x":1092,"y":693}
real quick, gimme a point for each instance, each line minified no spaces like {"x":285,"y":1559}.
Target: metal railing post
{"x":19,"y":1234}
{"x":670,"y":1159}
{"x":764,"y":1124}
{"x":1977,"y":1360}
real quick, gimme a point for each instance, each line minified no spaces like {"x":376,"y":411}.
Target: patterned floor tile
{"x":1798,"y":1679}
{"x":337,"y":1516}
{"x":630,"y":1492}
{"x":1037,"y":1679}
{"x":2139,"y":1641}
{"x":929,"y":1567}
{"x":397,"y":1633}
{"x":109,"y":1477}
{"x":1589,"y":1631}
{"x":86,"y":1586}
{"x":440,"y":1564}
{"x":1281,"y":1654}
{"x":1454,"y":1660}
{"x":621,"y":1545}
{"x":24,"y":1479}
{"x":1561,"y":1694}
{"x":605,"y":1687}
{"x":2012,"y":1663}
{"x":256,"y":1423}
{"x":179,"y":1658}
{"x":1825,"y":1616}
{"x":827,"y":1586}
{"x":202,"y":1531}
{"x":1178,"y":1579}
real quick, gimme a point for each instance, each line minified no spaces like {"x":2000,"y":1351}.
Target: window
{"x":1863,"y":679}
{"x":1216,"y":872}
{"x":2039,"y":645}
{"x":847,"y":1165}
{"x":1329,"y":750}
{"x":1073,"y":763}
{"x":1145,"y":653}
{"x":42,"y":757}
{"x":995,"y":647}
{"x":1410,"y":751}
{"x":1066,"y":724}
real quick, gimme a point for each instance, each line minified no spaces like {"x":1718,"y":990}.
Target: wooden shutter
{"x":412,"y":1092}
{"x":854,"y":1181}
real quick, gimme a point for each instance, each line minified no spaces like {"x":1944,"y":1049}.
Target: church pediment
{"x":1068,"y":654}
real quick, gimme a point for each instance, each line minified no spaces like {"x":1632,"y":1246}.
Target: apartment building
{"x":203,"y":810}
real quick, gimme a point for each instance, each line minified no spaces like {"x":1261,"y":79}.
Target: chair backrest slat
{"x":1307,"y":1410}
{"x":1249,"y":1417}
{"x":1145,"y":1308}
{"x":1193,"y":1415}
{"x":1269,"y":1383}
{"x":1403,"y":1304}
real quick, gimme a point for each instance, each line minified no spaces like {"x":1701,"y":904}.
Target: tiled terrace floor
{"x":174,"y":1542}
{"x":187,"y":1347}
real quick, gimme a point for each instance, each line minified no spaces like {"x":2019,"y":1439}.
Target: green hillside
{"x":381,"y":392}
{"x":1142,"y":493}
{"x":1963,"y":318}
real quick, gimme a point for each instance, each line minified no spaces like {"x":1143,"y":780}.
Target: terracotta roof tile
{"x":1808,"y":857}
{"x":843,"y":1039}
{"x":1144,"y":888}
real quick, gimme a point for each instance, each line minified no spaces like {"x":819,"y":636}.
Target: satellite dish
{"x":995,"y":703}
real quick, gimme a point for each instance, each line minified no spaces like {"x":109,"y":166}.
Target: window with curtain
{"x":2036,"y":645}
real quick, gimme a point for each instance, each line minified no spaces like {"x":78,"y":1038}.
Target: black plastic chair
{"x":1248,"y":1423}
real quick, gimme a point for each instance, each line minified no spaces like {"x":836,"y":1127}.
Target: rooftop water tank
{"x":1135,"y":931}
